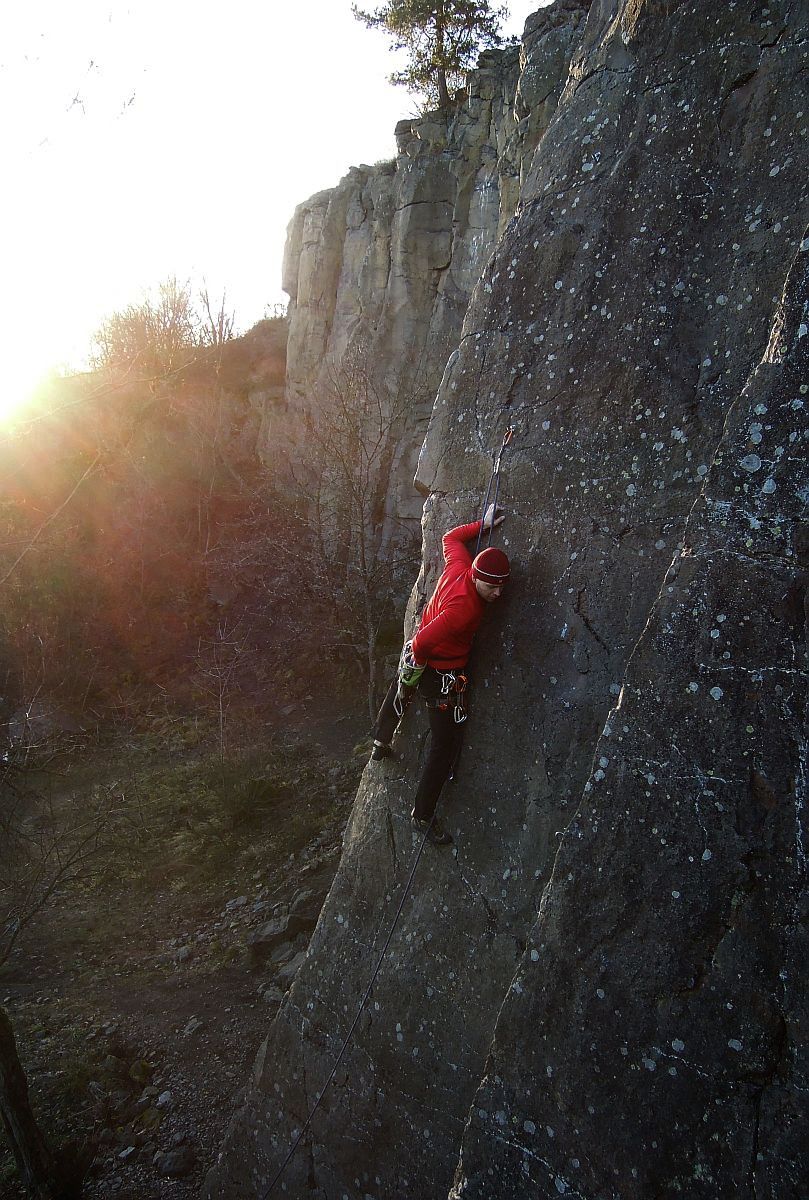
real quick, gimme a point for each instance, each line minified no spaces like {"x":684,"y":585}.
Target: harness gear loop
{"x":409,"y":670}
{"x":409,"y":675}
{"x":453,"y":695}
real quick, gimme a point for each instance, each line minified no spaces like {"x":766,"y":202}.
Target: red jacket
{"x":454,"y":611}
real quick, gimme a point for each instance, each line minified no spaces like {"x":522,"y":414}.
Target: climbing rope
{"x":494,"y":479}
{"x":350,"y":1033}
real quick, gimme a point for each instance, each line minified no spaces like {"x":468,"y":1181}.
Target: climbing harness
{"x":459,"y":716}
{"x":494,"y":479}
{"x":453,"y":695}
{"x":354,"y":1023}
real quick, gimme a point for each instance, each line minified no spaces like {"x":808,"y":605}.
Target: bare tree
{"x":352,"y":440}
{"x":218,"y":660}
{"x":160,"y":336}
{"x":216,"y":322}
{"x":153,"y":338}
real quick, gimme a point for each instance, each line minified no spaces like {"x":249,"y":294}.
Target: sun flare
{"x":22,"y":379}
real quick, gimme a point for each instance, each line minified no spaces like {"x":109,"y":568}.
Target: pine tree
{"x":441,"y":38}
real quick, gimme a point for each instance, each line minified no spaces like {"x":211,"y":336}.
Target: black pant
{"x":445,"y":737}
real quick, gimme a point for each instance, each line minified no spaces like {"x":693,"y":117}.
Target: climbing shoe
{"x":436,"y":833}
{"x":381,"y":750}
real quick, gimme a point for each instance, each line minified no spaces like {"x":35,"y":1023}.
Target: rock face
{"x":388,"y":259}
{"x":597,"y":992}
{"x":660,"y":1003}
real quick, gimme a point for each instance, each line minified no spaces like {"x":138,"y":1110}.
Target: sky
{"x":143,"y":139}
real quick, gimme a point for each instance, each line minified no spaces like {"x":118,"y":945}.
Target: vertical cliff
{"x":596,"y":992}
{"x":388,"y":259}
{"x":651,"y":1042}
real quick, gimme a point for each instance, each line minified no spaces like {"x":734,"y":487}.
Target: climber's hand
{"x":494,"y":517}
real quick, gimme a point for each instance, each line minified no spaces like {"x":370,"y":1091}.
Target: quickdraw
{"x":460,"y":713}
{"x":453,"y":695}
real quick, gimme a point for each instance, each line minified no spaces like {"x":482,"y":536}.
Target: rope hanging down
{"x":350,"y":1033}
{"x":494,"y":479}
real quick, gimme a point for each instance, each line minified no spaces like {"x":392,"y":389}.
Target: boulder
{"x":262,"y":942}
{"x":177,"y":1163}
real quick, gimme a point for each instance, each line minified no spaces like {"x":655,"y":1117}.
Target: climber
{"x":433,"y":662}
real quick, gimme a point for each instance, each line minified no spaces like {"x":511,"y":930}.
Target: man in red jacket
{"x":433,"y":662}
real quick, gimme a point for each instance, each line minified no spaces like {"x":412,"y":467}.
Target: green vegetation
{"x":441,"y":39}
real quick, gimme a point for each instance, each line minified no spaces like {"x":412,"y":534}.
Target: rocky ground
{"x":139,"y":1003}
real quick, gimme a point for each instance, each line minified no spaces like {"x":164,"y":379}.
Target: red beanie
{"x":491,"y":566}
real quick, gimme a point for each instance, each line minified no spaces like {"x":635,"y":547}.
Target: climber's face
{"x":488,"y":591}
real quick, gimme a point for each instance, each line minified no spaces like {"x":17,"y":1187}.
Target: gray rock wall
{"x":651,"y":1042}
{"x":388,"y":259}
{"x":640,"y":325}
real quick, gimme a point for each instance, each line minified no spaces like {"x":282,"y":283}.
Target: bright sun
{"x":22,"y":377}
